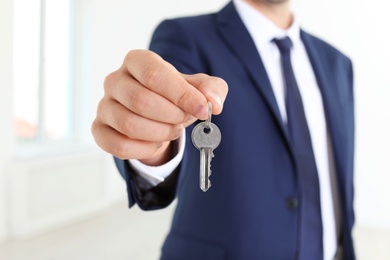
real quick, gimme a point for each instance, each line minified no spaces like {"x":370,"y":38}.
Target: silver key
{"x":206,"y":136}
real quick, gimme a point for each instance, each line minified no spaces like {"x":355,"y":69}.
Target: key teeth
{"x":204,"y":189}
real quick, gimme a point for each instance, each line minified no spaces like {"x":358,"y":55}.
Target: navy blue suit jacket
{"x":249,"y":212}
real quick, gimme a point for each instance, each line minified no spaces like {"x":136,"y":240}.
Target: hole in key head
{"x":207,"y":130}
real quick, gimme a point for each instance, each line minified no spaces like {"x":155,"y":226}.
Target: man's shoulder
{"x":206,"y":18}
{"x":184,"y":28}
{"x":202,"y":20}
{"x":321,"y":45}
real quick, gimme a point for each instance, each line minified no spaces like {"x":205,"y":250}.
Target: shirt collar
{"x":261,"y":28}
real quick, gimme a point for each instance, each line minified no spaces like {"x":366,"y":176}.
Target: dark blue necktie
{"x":310,"y":224}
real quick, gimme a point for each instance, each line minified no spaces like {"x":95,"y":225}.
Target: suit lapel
{"x":331,"y":101}
{"x":240,"y":42}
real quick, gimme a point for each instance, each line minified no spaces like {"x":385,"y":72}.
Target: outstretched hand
{"x":146,"y":105}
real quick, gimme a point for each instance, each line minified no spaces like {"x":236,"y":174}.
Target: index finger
{"x":162,"y":78}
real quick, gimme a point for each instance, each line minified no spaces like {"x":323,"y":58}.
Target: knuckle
{"x":100,"y":107}
{"x":127,"y":126}
{"x":134,"y":54}
{"x":138,"y":101}
{"x":130,"y":56}
{"x":182,"y":96}
{"x":110,"y":81}
{"x":151,"y":76}
{"x":94,"y":128}
{"x":121,"y":150}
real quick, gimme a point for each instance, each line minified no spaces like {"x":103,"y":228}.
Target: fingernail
{"x":201,"y":112}
{"x":216,"y":98}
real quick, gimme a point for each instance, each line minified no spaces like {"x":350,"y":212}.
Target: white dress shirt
{"x":263,"y":31}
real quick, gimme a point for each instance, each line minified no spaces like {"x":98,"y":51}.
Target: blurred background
{"x":61,"y":196}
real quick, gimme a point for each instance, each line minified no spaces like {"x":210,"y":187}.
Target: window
{"x":43,"y":92}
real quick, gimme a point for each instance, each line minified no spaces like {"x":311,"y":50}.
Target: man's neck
{"x":278,"y":12}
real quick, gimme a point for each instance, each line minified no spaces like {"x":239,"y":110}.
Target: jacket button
{"x":292,"y":203}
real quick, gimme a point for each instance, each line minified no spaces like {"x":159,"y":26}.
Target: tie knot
{"x":284,"y":44}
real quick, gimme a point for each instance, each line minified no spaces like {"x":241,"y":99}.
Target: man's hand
{"x":146,"y":105}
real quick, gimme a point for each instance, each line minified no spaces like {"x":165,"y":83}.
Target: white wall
{"x":106,"y":30}
{"x":47,"y":191}
{"x":6,"y":105}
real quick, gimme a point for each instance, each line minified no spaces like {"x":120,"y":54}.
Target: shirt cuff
{"x":157,"y":174}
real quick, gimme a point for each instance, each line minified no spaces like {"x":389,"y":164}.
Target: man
{"x":283,"y":173}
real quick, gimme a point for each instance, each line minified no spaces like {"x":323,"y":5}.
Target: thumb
{"x":215,"y":89}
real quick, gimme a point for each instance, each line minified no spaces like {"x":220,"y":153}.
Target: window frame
{"x":42,"y":145}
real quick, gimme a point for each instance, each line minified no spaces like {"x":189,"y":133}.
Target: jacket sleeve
{"x":153,"y":198}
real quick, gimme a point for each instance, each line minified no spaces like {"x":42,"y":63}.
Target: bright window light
{"x":43,"y":104}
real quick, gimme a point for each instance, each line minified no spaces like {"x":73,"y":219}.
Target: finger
{"x":190,"y":121}
{"x":142,"y":101}
{"x":134,"y":126}
{"x":215,"y":89}
{"x":155,"y":74}
{"x":120,"y":145}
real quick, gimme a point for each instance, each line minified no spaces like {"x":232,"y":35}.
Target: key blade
{"x":206,"y":155}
